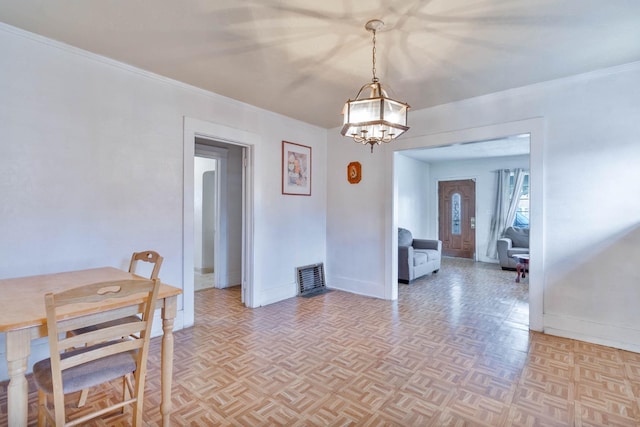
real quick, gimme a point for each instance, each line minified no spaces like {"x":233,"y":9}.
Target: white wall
{"x":209,"y":191}
{"x":356,"y":219}
{"x":201,"y":165}
{"x":587,"y":213}
{"x":483,"y":171}
{"x":91,"y":169}
{"x":414,"y":197}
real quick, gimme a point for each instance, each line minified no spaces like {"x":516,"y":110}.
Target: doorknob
{"x":473,"y":222}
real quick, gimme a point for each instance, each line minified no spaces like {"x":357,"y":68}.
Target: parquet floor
{"x":454,"y":350}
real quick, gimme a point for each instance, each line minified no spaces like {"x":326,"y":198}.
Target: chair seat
{"x":88,"y":374}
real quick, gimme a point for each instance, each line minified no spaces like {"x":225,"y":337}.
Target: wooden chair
{"x":144,"y":256}
{"x":97,"y":356}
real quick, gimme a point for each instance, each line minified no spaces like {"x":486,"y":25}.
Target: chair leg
{"x":59,"y":410}
{"x":83,"y":397}
{"x":42,"y":407}
{"x":125,"y":387}
{"x":126,"y":391}
{"x":138,"y":392}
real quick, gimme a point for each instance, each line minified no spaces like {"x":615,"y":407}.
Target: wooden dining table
{"x":23,"y":319}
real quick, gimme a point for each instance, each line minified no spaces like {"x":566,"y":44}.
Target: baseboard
{"x":356,"y":286}
{"x":277,"y":294}
{"x":616,"y":336}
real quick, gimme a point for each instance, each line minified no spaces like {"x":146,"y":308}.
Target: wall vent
{"x":311,"y":279}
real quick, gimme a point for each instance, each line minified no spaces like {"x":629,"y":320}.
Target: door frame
{"x":208,"y":130}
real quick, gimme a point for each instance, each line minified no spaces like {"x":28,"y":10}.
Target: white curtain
{"x":504,"y":211}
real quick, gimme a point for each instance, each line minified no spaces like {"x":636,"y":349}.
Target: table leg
{"x":518,"y":267}
{"x":18,"y":349}
{"x":168,"y":315}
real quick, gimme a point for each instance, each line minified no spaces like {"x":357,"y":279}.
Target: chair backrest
{"x":147,"y":256}
{"x":101,"y":342}
{"x":519,"y":236}
{"x":404,"y":237}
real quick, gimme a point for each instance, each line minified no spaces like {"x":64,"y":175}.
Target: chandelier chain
{"x":373,"y":69}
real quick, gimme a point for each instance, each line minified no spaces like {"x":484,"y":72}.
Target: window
{"x":522,"y":213}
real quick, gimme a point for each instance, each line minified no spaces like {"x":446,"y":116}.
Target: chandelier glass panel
{"x":372,"y":117}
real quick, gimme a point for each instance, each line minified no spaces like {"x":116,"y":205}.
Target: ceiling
{"x":516,"y":145}
{"x":304,"y":58}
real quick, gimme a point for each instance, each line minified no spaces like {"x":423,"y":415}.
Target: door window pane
{"x":456,"y":202}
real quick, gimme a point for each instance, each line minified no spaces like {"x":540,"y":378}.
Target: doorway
{"x":533,"y":129}
{"x":218,"y":213}
{"x":225,"y":137}
{"x":456,"y":218}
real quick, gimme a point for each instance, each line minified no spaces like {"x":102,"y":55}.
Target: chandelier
{"x":372,"y":117}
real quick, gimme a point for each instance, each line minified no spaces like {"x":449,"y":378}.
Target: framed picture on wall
{"x":296,"y":169}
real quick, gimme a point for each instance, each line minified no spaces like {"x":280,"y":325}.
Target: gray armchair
{"x":515,"y":241}
{"x":417,"y":257}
